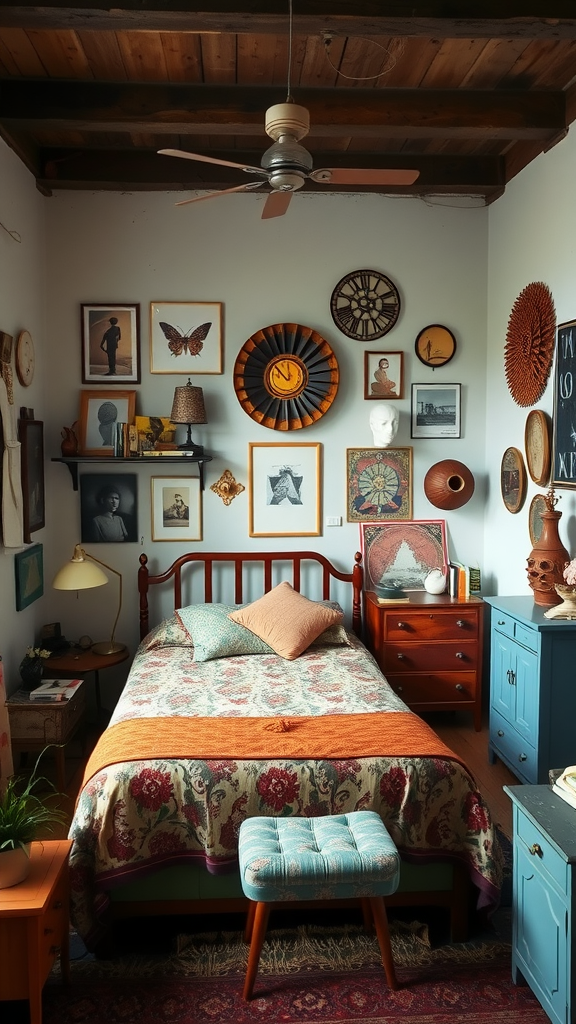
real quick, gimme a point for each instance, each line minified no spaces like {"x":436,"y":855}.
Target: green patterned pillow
{"x":214,"y":635}
{"x":169,"y":633}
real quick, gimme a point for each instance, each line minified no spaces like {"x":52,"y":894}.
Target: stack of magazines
{"x":565,"y":785}
{"x":54,"y":691}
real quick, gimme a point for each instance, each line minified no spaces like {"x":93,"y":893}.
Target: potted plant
{"x":24,"y":817}
{"x":31,"y":667}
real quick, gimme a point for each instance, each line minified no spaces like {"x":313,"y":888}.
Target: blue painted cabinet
{"x":532,"y":688}
{"x":543,"y":951}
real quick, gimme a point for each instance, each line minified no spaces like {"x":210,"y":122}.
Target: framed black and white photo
{"x":563,"y":439}
{"x":109,"y":508}
{"x":435,"y":410}
{"x":186,"y":337}
{"x":176,"y":508}
{"x":31,"y":435}
{"x":100,"y":412}
{"x":110,"y":343}
{"x":284,"y":489}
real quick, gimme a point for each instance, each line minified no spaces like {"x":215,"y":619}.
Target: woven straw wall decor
{"x":529,"y":346}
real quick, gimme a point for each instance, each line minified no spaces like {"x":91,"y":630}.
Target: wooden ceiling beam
{"x":528,"y":19}
{"x":196,"y":110}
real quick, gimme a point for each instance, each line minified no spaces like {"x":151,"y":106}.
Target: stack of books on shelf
{"x":565,"y":785}
{"x":55,"y":691}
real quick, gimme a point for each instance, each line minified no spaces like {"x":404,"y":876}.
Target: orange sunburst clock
{"x":529,"y":346}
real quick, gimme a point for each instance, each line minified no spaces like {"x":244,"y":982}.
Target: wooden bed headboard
{"x":238,"y":559}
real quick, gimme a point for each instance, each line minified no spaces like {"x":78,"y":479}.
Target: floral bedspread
{"x":133,"y":817}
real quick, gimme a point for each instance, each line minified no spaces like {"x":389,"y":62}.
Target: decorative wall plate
{"x":537,"y":446}
{"x":513,"y":479}
{"x":529,"y":346}
{"x":25,"y":358}
{"x":535,"y":524}
{"x":435,"y":345}
{"x":286,"y":376}
{"x":365,"y":305}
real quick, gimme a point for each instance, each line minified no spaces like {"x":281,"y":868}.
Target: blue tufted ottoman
{"x":342,"y":856}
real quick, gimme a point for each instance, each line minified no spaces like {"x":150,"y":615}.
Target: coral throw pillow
{"x":286,"y":621}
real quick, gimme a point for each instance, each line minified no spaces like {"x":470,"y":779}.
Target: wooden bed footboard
{"x":268,"y":559}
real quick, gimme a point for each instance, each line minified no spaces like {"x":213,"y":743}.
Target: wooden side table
{"x":34,"y":926}
{"x":33,"y":725}
{"x":75,"y":661}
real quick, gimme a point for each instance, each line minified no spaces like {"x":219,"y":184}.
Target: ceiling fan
{"x":286,"y":164}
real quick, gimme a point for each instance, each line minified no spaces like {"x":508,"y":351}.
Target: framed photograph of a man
{"x":284,"y":489}
{"x":111,"y":343}
{"x":176,"y":508}
{"x":108,"y":508}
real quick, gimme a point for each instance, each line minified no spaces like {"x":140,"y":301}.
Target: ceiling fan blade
{"x":276,"y":204}
{"x":363,"y":176}
{"x":223,"y":192}
{"x":212,"y":160}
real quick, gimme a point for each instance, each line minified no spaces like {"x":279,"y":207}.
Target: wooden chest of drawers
{"x":430,"y":650}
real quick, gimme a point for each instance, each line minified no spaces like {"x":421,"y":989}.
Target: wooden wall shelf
{"x":73,"y":461}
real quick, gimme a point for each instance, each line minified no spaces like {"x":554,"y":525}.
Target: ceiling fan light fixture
{"x":287,"y":119}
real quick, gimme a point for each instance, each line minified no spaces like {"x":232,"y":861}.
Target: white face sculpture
{"x":383,"y":424}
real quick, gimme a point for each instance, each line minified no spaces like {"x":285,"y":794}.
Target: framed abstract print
{"x":29,"y":576}
{"x":383,"y":375}
{"x":435,"y":410}
{"x":110,"y":343}
{"x":100,"y":412}
{"x":31,"y":435}
{"x":284,"y":489}
{"x":186,"y":337}
{"x":378,"y":484}
{"x":402,"y":554}
{"x":176,"y":508}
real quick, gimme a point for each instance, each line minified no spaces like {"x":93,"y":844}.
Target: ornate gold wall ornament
{"x":227,"y":487}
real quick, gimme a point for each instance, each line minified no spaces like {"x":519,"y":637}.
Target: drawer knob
{"x":500,"y":732}
{"x":501,"y":622}
{"x":460,"y":654}
{"x":401,"y":625}
{"x":400,"y":656}
{"x":523,"y":757}
{"x":459,"y":687}
{"x":535,"y":850}
{"x":460,"y":623}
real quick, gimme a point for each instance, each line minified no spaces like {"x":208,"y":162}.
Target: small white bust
{"x":383,"y":424}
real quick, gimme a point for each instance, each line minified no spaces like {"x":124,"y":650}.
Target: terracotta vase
{"x":448,"y":484}
{"x":546,"y":561}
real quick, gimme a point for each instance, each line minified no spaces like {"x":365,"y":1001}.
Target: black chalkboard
{"x":564,"y":426}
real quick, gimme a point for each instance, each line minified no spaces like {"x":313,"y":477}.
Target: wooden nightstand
{"x":430,"y":650}
{"x":33,"y":725}
{"x":34,"y":926}
{"x":75,"y":662}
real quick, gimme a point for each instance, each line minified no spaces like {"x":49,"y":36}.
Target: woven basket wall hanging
{"x":529,"y":346}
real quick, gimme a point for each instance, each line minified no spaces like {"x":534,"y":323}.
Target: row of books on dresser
{"x":463,"y":580}
{"x":55,"y":691}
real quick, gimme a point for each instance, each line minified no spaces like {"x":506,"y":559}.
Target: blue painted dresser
{"x":544,"y":894}
{"x":532,"y":688}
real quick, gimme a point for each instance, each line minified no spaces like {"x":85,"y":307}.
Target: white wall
{"x":22,"y":307}
{"x":532,"y":232}
{"x":140,"y":248}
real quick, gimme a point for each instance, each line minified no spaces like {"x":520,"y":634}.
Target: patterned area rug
{"x":308,"y":973}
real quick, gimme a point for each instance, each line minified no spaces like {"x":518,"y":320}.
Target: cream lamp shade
{"x":188,"y":408}
{"x":82,"y":572}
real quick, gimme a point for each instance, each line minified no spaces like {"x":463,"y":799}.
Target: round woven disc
{"x":530,"y":343}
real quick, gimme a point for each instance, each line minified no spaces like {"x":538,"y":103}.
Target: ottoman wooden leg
{"x":381,"y":922}
{"x":250,"y":920}
{"x":261,"y":915}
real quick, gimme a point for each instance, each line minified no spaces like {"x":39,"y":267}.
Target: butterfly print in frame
{"x":186,"y":337}
{"x":192,"y":341}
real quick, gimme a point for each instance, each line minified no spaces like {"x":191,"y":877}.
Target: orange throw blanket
{"x":334,"y":737}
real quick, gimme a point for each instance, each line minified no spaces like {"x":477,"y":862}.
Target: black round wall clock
{"x":286,"y":376}
{"x":365,"y":305}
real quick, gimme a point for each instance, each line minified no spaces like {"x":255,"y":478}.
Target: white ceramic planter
{"x":14,"y":866}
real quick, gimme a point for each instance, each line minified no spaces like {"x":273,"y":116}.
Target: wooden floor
{"x":454,"y":728}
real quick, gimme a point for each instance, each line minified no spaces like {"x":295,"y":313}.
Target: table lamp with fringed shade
{"x":188,"y":408}
{"x":80,"y":573}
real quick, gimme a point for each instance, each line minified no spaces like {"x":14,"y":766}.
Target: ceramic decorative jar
{"x":448,"y":484}
{"x":548,"y":557}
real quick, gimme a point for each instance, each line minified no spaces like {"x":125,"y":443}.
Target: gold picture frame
{"x":100,"y":411}
{"x":284,"y":489}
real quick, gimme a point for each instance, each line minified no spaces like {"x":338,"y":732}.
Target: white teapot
{"x":435,"y":582}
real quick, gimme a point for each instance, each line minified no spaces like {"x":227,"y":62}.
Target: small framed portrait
{"x":29,"y":574}
{"x":31,"y":435}
{"x":100,"y":413}
{"x":110,"y":343}
{"x":186,"y":337}
{"x":435,"y":410}
{"x":513,"y":479}
{"x":378,"y":484}
{"x":383,"y":375}
{"x":108,"y":508}
{"x":402,"y":554}
{"x":284,"y":489}
{"x":176,"y":508}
